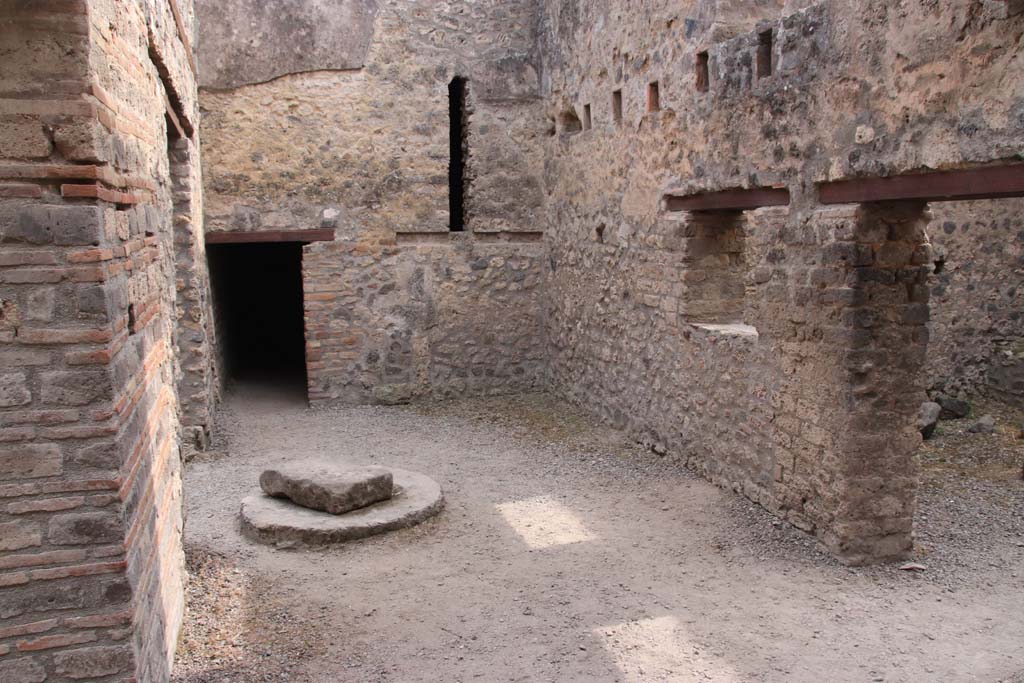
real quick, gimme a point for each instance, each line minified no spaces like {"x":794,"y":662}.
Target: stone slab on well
{"x":276,"y":521}
{"x":328,"y":487}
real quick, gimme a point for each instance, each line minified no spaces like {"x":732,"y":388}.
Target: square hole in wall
{"x":588,"y":121}
{"x":715,"y":262}
{"x":653,"y":97}
{"x":568,"y":122}
{"x":765,"y":48}
{"x":617,"y":107}
{"x":703,"y":72}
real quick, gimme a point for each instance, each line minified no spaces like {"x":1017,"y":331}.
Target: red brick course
{"x":89,"y":518}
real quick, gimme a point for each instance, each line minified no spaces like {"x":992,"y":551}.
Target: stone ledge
{"x":730,"y":330}
{"x":466,"y":237}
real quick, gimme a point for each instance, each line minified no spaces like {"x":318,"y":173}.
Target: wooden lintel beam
{"x":991,"y":182}
{"x":304,"y":236}
{"x":730,"y":200}
{"x":172,"y":118}
{"x":183,"y":36}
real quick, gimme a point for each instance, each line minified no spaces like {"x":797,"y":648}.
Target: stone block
{"x":916,"y":314}
{"x":85,"y":528}
{"x":14,"y":390}
{"x":28,"y":461}
{"x":93,"y":300}
{"x":75,"y":388}
{"x":985,"y":425}
{"x":83,"y":140}
{"x":327,"y":487}
{"x":24,"y":138}
{"x":22,"y":670}
{"x":20,"y":535}
{"x":41,"y":304}
{"x":93,"y":662}
{"x":278,"y":522}
{"x":953,"y":408}
{"x":43,"y":597}
{"x":60,"y":225}
{"x":10,"y":315}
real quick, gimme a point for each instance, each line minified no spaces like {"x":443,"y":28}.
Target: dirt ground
{"x":565,"y":553}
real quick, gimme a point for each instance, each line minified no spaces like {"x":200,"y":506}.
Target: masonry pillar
{"x":880,"y":252}
{"x":198,"y":380}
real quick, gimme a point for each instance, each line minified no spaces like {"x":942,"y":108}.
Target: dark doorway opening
{"x":457,"y":118}
{"x":257,"y":292}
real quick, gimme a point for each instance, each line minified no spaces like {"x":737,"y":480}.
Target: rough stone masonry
{"x":670,"y":212}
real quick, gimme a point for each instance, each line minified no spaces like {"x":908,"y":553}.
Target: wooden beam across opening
{"x":991,"y":182}
{"x":729,"y":200}
{"x":172,"y":118}
{"x":183,"y":36}
{"x":304,"y":236}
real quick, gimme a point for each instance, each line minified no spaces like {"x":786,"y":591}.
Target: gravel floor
{"x":566,"y":553}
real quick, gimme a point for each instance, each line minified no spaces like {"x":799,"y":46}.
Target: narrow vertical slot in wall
{"x":588,"y":122}
{"x":653,"y":97}
{"x":617,"y":107}
{"x":458,"y":130}
{"x":703,"y":72}
{"x":765,"y":47}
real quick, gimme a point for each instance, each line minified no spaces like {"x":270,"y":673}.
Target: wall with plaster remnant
{"x":357,"y":142}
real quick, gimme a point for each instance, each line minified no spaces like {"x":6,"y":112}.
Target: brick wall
{"x":198,"y":377}
{"x":91,"y":564}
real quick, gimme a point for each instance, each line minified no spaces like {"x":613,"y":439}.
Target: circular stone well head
{"x":279,"y":521}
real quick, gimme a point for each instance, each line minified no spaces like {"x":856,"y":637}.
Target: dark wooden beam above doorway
{"x":305,"y":236}
{"x":990,"y":182}
{"x":729,"y":200}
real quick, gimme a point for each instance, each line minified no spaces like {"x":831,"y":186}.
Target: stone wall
{"x":358,"y":141}
{"x":977,"y":327}
{"x":90,"y":521}
{"x":779,"y":351}
{"x":366,"y":150}
{"x":772,"y":394}
{"x":457,"y":317}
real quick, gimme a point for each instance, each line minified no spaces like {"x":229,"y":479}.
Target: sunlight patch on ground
{"x":543,"y":523}
{"x":660,"y":649}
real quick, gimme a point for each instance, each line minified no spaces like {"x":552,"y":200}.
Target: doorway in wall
{"x":258,"y":302}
